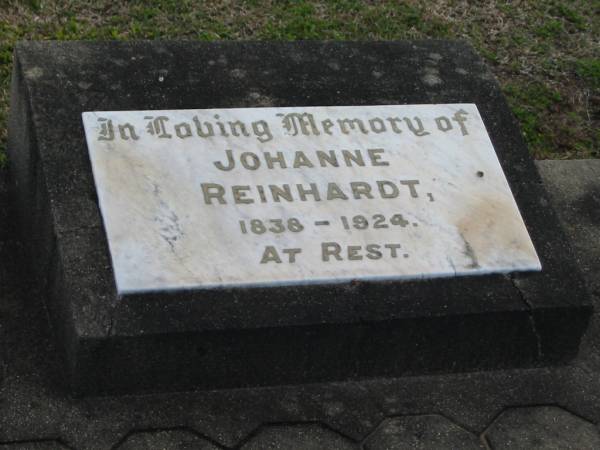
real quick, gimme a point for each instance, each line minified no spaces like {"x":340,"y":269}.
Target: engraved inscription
{"x":261,"y":196}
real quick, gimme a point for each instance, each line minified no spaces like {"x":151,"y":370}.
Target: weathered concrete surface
{"x":574,"y":187}
{"x":482,"y":407}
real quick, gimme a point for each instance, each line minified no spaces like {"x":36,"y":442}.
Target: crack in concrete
{"x":530,"y":315}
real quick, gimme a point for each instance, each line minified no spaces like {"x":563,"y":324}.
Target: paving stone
{"x":305,"y":437}
{"x":166,"y":440}
{"x":541,"y":428}
{"x":344,"y":407}
{"x":473,"y":400}
{"x":421,"y":432}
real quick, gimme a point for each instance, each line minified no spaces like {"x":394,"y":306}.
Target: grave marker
{"x":169,"y":262}
{"x":261,"y":196}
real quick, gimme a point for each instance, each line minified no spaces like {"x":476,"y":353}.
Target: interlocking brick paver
{"x":167,"y":440}
{"x":421,"y":432}
{"x":305,"y":436}
{"x":542,"y":427}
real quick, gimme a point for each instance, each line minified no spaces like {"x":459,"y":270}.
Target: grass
{"x":545,"y":54}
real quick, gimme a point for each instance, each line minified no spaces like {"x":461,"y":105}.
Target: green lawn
{"x":546,"y":54}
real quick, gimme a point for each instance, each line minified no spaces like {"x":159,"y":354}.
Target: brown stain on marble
{"x":488,"y":224}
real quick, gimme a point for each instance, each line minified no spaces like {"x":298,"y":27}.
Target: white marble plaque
{"x":274,"y":196}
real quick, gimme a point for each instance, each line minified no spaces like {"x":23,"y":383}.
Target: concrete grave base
{"x":266,"y":336}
